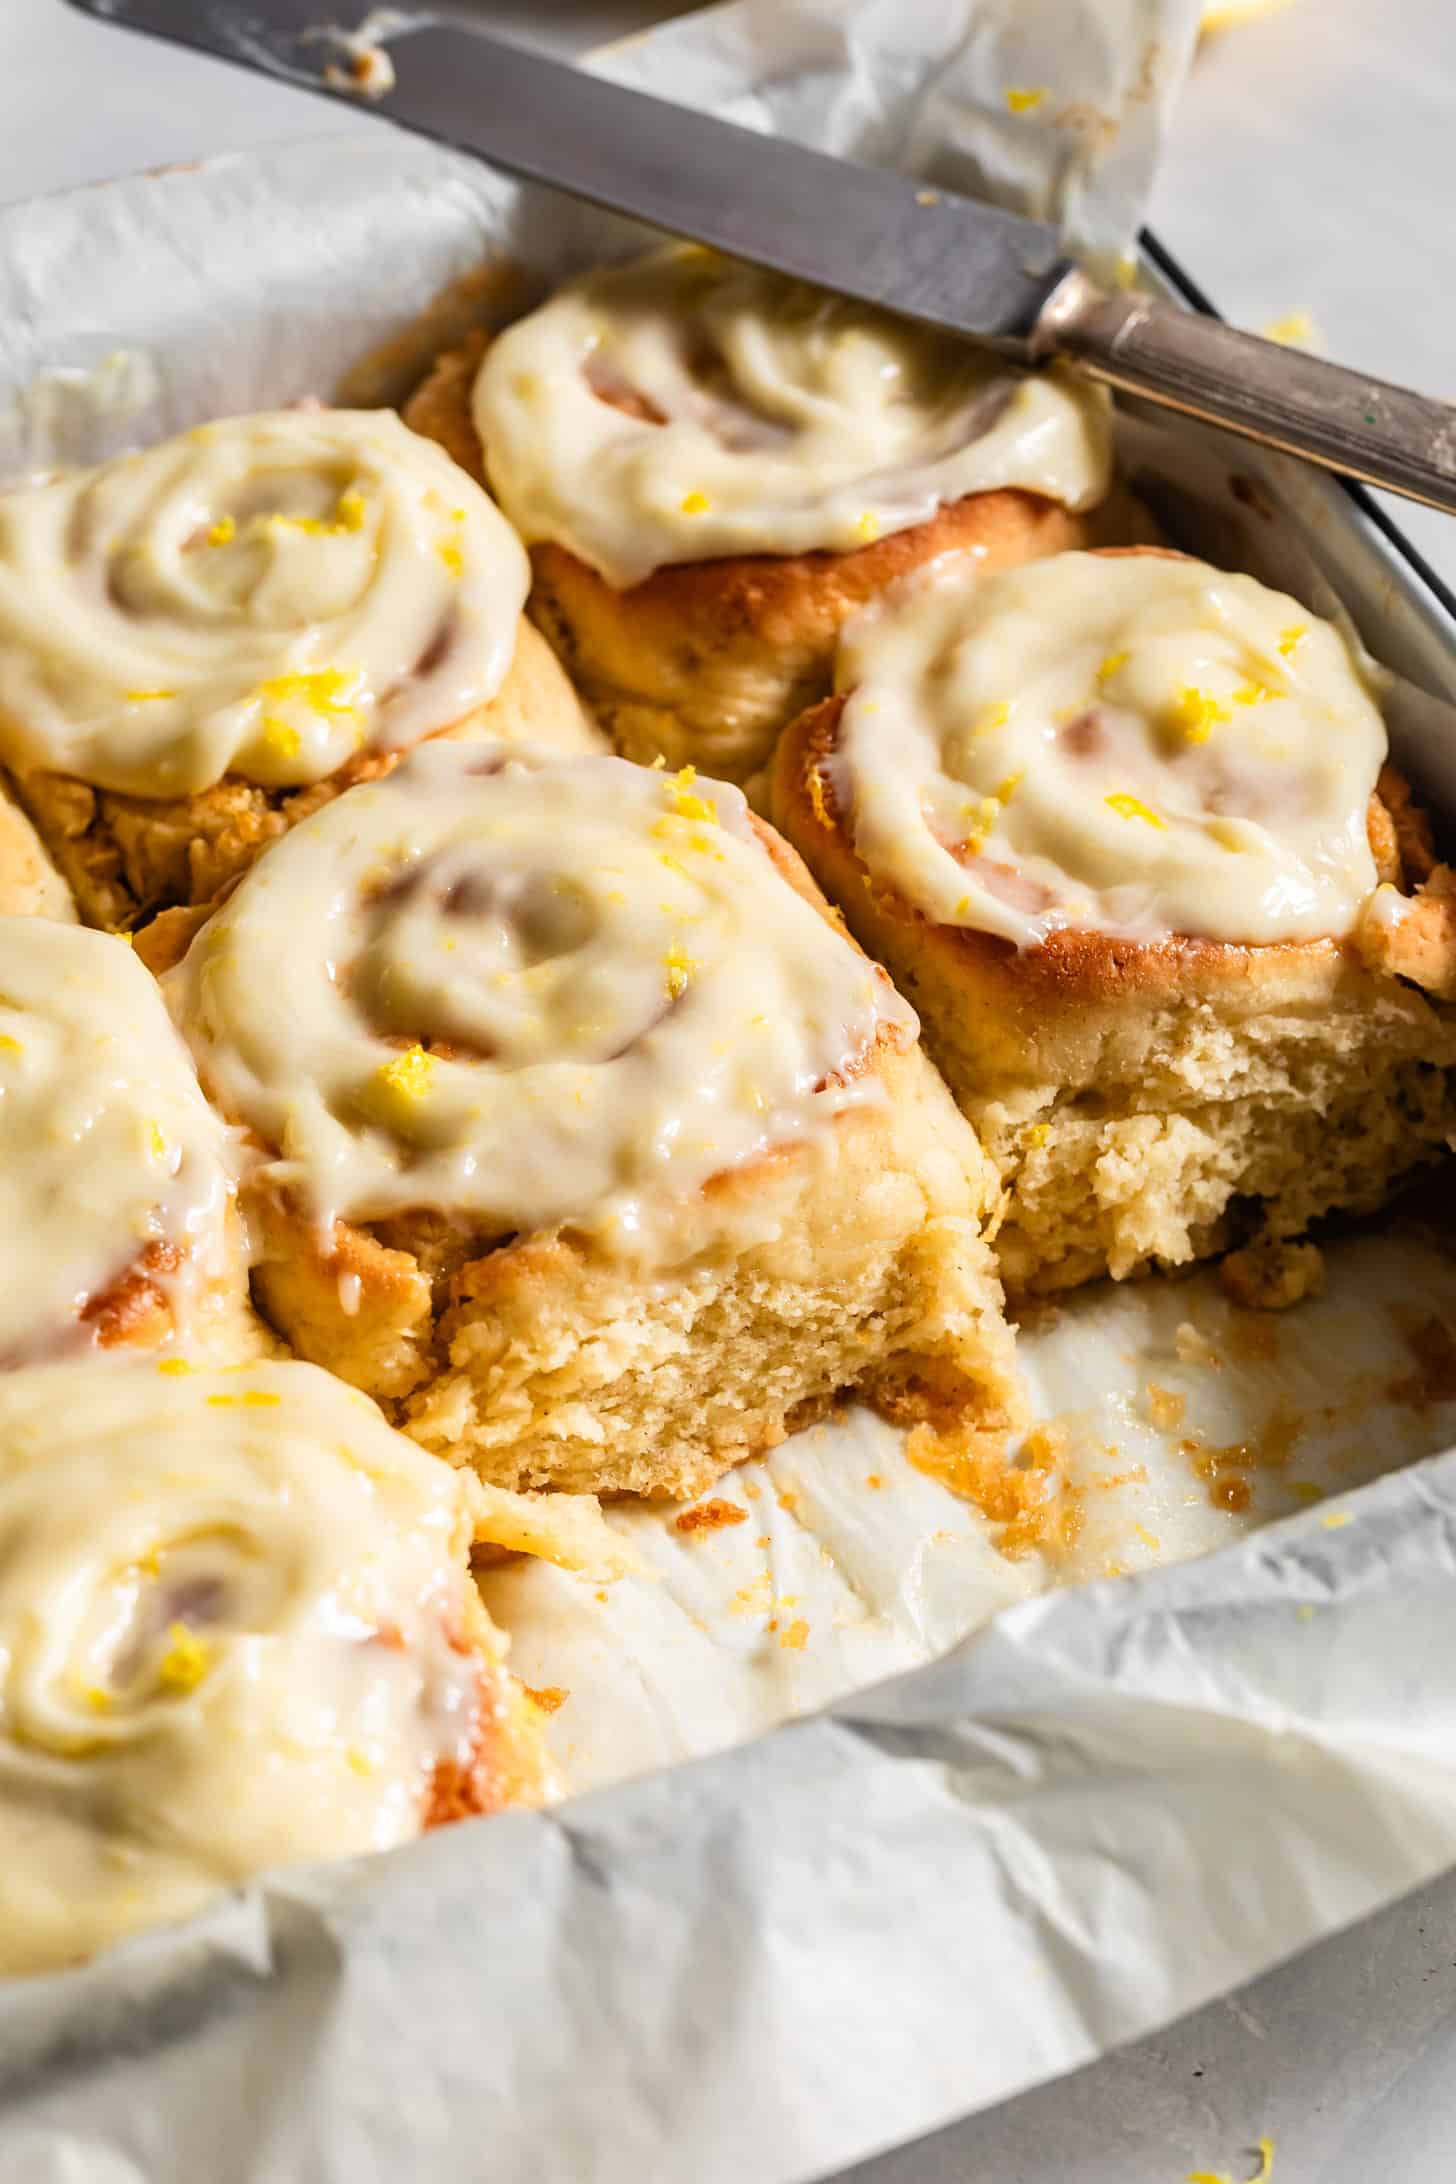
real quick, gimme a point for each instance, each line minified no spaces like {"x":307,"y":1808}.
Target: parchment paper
{"x":1118,"y":1799}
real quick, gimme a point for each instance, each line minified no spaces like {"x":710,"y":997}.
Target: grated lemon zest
{"x":1198,"y":713}
{"x":995,"y":716}
{"x":9,"y":1045}
{"x":695,"y":504}
{"x":451,"y":555}
{"x":174,"y":1367}
{"x":1024,"y":102}
{"x":1133,"y":807}
{"x":223,"y":532}
{"x":186,"y":1660}
{"x":1110,"y":666}
{"x":868,"y":527}
{"x":148,"y":697}
{"x":1292,"y":638}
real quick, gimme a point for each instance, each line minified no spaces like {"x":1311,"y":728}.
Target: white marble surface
{"x":1311,"y":173}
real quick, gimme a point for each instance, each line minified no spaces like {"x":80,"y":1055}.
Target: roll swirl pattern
{"x":683,"y":407}
{"x":1131,"y":743}
{"x":526,"y":991}
{"x":264,"y":596}
{"x":237,"y":1628}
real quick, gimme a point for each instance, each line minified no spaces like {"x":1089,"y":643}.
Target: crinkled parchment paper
{"x":735,"y":1959}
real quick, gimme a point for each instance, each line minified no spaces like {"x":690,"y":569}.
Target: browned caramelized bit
{"x":709,"y":1516}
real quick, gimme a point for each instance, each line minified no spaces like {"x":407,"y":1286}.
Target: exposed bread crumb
{"x":1194,"y":1348}
{"x":1028,"y":1495}
{"x":710,"y":1516}
{"x":1164,"y":1407}
{"x":1272,"y":1274}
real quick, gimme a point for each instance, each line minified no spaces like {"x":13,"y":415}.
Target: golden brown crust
{"x":704,"y":662}
{"x":30,"y":885}
{"x":506,"y":1764}
{"x":128,"y":858}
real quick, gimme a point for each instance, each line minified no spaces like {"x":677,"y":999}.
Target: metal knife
{"x":861,"y":231}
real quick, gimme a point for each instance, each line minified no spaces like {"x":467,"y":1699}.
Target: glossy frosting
{"x":232,"y":1633}
{"x":107,"y":1146}
{"x":683,"y":407}
{"x":525,"y":990}
{"x":262,"y":596}
{"x":1133,"y":744}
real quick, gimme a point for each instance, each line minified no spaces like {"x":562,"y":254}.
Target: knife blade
{"x":866,"y":232}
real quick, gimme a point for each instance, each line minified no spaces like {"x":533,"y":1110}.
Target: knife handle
{"x":1363,"y":427}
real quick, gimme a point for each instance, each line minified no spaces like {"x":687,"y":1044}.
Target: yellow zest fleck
{"x":995,"y":716}
{"x":1295,"y":330}
{"x":657,"y":764}
{"x":927,"y":197}
{"x":1038,"y":1133}
{"x":1005,"y":790}
{"x":793,"y":1639}
{"x":685,"y":803}
{"x":1336,"y":1518}
{"x":1133,"y":807}
{"x":1110,"y":666}
{"x":157,"y":1141}
{"x":360,"y":1761}
{"x":9,"y":1045}
{"x":349,"y":515}
{"x":867,"y":530}
{"x":148,"y":697}
{"x":223,"y":532}
{"x":679,"y":966}
{"x":1292,"y":638}
{"x":327,"y":690}
{"x":1024,"y":102}
{"x":174,"y":1367}
{"x":186,"y":1660}
{"x":695,"y":504}
{"x":1261,"y":2175}
{"x":962,"y":908}
{"x":400,"y":1084}
{"x":96,"y":1698}
{"x":260,"y":1399}
{"x":1252,"y":693}
{"x":451,"y":555}
{"x":1198,"y":713}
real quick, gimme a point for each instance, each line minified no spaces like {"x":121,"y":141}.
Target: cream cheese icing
{"x":1136,"y":744}
{"x":683,"y":407}
{"x":527,"y":990}
{"x":110,"y":1157}
{"x":236,"y":1629}
{"x":262,"y":596}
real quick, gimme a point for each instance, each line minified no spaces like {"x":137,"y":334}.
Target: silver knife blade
{"x":862,"y":231}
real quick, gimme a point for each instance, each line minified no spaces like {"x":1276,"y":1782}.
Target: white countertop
{"x":1310,"y":173}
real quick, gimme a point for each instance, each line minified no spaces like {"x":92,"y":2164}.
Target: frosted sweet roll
{"x":118,"y":1215}
{"x":1122,"y":827}
{"x":200,"y":642}
{"x":590,"y":1143}
{"x":237,"y":1629}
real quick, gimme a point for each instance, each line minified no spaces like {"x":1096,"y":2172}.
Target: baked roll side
{"x":239,"y":1630}
{"x":640,"y":1195}
{"x":31,"y":885}
{"x":1150,"y":1101}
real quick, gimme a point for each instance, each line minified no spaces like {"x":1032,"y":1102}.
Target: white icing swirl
{"x":110,"y":1157}
{"x":527,"y":990}
{"x":236,"y":1629}
{"x":1133,"y":744}
{"x":262,"y":596}
{"x":684,"y":407}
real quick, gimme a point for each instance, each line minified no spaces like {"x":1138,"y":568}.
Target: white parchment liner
{"x":1114,"y":1802}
